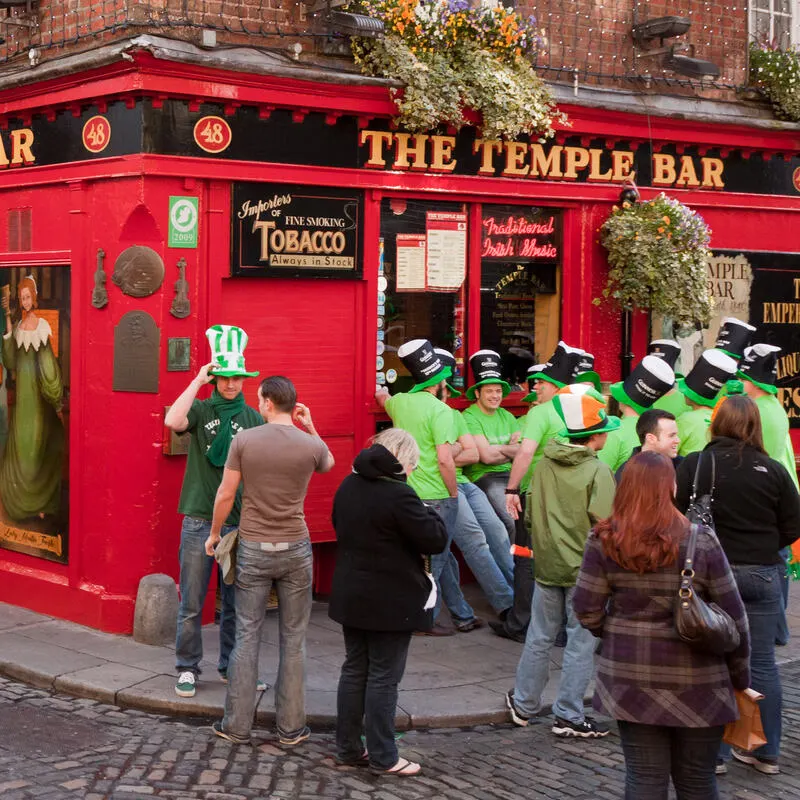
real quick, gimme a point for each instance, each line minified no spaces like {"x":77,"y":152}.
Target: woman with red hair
{"x":671,"y":701}
{"x":32,"y":461}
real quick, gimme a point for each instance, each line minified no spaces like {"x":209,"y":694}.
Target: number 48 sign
{"x":212,"y":134}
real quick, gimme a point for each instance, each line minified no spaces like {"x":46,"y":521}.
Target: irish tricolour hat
{"x":760,"y":366}
{"x":707,"y":377}
{"x":584,"y":371}
{"x":530,"y":380}
{"x":650,"y":380}
{"x":449,"y":360}
{"x":583,"y":411}
{"x":734,"y":336}
{"x":486,"y":369}
{"x":227,"y":351}
{"x":425,"y":366}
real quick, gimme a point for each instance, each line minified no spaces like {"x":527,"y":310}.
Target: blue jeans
{"x":196,"y":569}
{"x":256,"y":569}
{"x":493,"y":485}
{"x":653,"y":753}
{"x":783,"y":625}
{"x":447,"y":509}
{"x":493,"y":529}
{"x":367,"y":698}
{"x":533,"y":670}
{"x":760,"y":588}
{"x":470,"y":538}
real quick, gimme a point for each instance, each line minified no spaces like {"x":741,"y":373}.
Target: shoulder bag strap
{"x":713,"y":475}
{"x":696,"y":478}
{"x":688,"y":562}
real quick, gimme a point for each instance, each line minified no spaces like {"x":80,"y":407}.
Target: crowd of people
{"x":591,"y":505}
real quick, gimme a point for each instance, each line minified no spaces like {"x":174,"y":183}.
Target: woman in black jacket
{"x":756,"y":512}
{"x":381,"y":594}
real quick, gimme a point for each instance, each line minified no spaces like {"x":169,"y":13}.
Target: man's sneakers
{"x":586,"y":729}
{"x":467,"y":625}
{"x":291,"y":739}
{"x":185,"y":686}
{"x":517,"y":717}
{"x":231,"y":737}
{"x":766,"y":766}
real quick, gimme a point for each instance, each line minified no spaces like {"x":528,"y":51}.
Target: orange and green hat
{"x":583,"y":411}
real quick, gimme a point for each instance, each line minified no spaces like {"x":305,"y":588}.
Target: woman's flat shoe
{"x":403,"y":768}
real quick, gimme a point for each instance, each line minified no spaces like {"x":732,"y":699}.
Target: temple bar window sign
{"x":659,"y":29}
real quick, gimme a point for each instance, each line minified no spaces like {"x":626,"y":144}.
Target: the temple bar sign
{"x":434,"y":153}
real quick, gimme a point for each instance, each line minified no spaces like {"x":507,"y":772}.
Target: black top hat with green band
{"x":707,"y":377}
{"x":559,"y":370}
{"x":668,"y":349}
{"x":530,"y":380}
{"x":426,"y":368}
{"x":650,"y":380}
{"x":486,"y":369}
{"x":760,"y":367}
{"x":449,"y":360}
{"x":734,"y":336}
{"x":584,"y":371}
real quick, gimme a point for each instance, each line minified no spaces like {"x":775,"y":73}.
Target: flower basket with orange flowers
{"x":451,"y":57}
{"x":658,"y":253}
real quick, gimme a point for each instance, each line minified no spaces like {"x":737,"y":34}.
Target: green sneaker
{"x":185,"y":685}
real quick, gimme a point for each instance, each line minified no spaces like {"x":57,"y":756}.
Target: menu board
{"x":447,"y":250}
{"x":412,"y":270}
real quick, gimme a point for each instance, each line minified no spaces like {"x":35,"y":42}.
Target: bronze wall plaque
{"x":181,"y":307}
{"x":138,"y":271}
{"x":175,"y":444}
{"x":178,"y":352}
{"x":136,"y":353}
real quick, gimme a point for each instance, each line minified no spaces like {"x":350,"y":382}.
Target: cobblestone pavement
{"x":52,"y":746}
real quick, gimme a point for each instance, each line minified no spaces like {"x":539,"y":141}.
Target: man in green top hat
{"x":670,"y":351}
{"x":212,"y":424}
{"x":651,"y":379}
{"x":571,"y":490}
{"x":700,"y":387}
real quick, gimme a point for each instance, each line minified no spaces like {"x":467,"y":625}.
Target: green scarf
{"x":226,"y":411}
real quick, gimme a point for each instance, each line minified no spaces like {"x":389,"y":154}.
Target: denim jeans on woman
{"x":256,"y":570}
{"x":367,"y":698}
{"x":760,"y":588}
{"x":196,"y":569}
{"x":653,"y":753}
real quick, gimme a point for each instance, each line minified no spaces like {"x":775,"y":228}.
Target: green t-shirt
{"x":775,"y":431}
{"x":693,"y":430}
{"x":498,"y":429}
{"x":431,"y":423}
{"x":674,"y":402}
{"x":202,"y":479}
{"x":540,"y":424}
{"x":620,"y":443}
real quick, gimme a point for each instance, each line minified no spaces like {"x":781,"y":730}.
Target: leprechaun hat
{"x":425,"y":366}
{"x":707,"y":377}
{"x":650,"y":379}
{"x":583,"y":411}
{"x":584,"y":372}
{"x":486,"y":368}
{"x":734,"y":336}
{"x":227,"y":351}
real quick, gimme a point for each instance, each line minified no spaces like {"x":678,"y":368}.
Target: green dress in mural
{"x":30,"y":472}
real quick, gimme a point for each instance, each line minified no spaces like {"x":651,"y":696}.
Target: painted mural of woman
{"x":30,"y":473}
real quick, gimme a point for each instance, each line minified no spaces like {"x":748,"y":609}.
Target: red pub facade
{"x":156,"y":191}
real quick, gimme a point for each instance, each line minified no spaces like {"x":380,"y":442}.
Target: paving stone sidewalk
{"x":449,"y":681}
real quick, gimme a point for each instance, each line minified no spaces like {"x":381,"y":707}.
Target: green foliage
{"x":450,"y":57}
{"x":658,"y":253}
{"x":777,"y":73}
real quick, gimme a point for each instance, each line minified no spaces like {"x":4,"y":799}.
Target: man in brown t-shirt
{"x":274,"y":468}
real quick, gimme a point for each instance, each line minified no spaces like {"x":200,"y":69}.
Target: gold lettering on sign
{"x":663,"y":169}
{"x":31,"y":539}
{"x":442,"y":160}
{"x":781,"y":313}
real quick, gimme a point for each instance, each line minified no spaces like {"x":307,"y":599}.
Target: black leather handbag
{"x":704,"y":626}
{"x":699,"y":511}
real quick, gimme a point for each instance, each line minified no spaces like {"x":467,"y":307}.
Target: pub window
{"x":520,"y":285}
{"x":772,"y":23}
{"x":422,"y":285}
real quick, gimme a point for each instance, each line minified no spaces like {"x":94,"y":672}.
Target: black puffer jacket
{"x":383,"y":529}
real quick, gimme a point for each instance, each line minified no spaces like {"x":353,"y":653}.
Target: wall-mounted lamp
{"x":694,"y":67}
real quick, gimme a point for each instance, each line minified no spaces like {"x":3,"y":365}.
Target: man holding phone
{"x":212,"y":424}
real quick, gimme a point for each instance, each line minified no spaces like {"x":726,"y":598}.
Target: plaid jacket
{"x":645,"y":673}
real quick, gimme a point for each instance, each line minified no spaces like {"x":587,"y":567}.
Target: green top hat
{"x":734,"y":336}
{"x":534,"y":370}
{"x":227,"y":351}
{"x":426,"y":367}
{"x":559,"y":370}
{"x":760,"y":367}
{"x":583,"y":411}
{"x":651,"y":379}
{"x":449,"y":360}
{"x":707,"y":377}
{"x":668,"y":349}
{"x":486,"y":368}
{"x":584,"y":372}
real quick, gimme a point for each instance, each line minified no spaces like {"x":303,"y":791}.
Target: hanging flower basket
{"x":451,"y":57}
{"x":776,"y":73}
{"x":658,"y":253}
